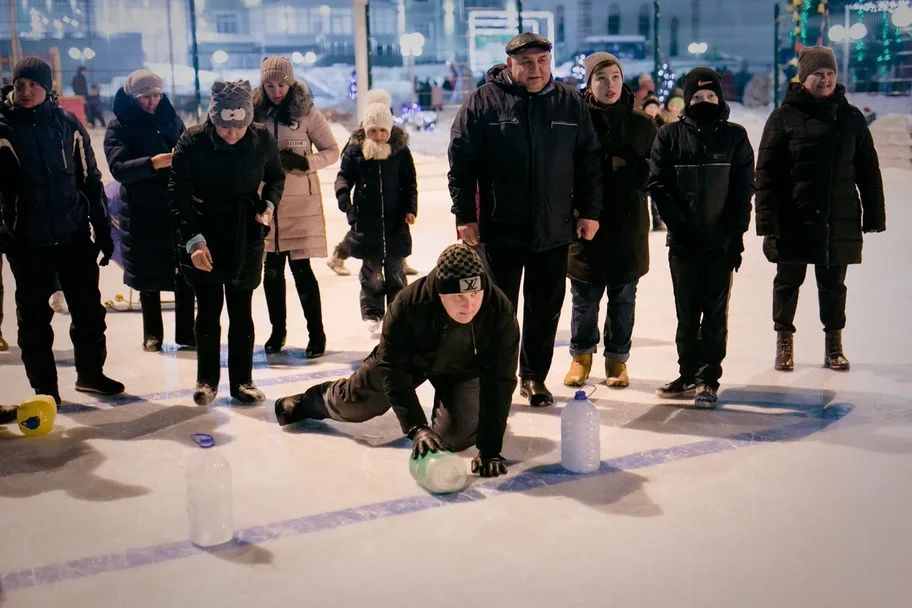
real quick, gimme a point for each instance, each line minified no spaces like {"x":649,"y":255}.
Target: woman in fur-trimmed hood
{"x":377,"y":164}
{"x":306,"y":144}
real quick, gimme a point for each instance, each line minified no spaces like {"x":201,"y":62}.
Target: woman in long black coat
{"x":818,"y":189}
{"x":618,"y":256}
{"x":222,"y":216}
{"x":138,"y":145}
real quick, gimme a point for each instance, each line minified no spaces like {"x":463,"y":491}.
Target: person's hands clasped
{"x":468,"y":233}
{"x":489,"y":467}
{"x":201,"y":257}
{"x":425,"y":440}
{"x":586,"y":229}
{"x":161,"y":161}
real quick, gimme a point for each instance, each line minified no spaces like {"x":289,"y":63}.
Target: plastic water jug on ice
{"x":210,"y":506}
{"x":439,"y":472}
{"x":580,"y":452}
{"x":36,"y":415}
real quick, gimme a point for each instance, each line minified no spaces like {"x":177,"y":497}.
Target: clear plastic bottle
{"x":210,"y":506}
{"x":439,"y":472}
{"x":580,"y":451}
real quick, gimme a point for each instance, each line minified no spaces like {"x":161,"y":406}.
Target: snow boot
{"x":579,"y":370}
{"x":833,"y":356}
{"x":785,"y":351}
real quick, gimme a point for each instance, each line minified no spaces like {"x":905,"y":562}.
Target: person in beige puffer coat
{"x":298,"y":231}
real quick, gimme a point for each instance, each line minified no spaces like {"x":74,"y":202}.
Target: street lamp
{"x":902,"y":16}
{"x":410,"y":46}
{"x":697,"y":48}
{"x":846,"y":34}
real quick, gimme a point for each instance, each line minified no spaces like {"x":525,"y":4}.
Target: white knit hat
{"x":377,"y":111}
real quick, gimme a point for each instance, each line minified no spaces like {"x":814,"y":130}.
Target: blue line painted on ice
{"x":547,"y":476}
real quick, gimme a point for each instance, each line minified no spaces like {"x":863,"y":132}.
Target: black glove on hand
{"x":734,"y":246}
{"x":425,"y":440}
{"x":291,"y":161}
{"x":489,"y":467}
{"x":105,"y":244}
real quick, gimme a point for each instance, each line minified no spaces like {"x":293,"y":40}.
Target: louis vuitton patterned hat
{"x":459,"y":270}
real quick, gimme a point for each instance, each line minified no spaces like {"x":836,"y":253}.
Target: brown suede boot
{"x":616,"y":375}
{"x":785,"y":351}
{"x":833,"y":356}
{"x":579,"y":370}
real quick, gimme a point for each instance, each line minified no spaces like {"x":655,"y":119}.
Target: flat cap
{"x":527,"y":40}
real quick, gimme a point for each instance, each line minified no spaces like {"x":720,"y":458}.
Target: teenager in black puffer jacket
{"x":818,"y":189}
{"x":702,"y":179}
{"x":452,"y":328}
{"x":138,"y":145}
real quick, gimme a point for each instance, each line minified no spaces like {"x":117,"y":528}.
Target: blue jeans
{"x":584,"y":332}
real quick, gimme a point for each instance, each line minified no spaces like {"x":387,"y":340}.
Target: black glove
{"x":734,"y":246}
{"x":105,"y":244}
{"x":291,"y":161}
{"x":425,"y":440}
{"x":489,"y":467}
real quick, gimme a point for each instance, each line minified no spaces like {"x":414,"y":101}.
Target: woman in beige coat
{"x":298,"y":230}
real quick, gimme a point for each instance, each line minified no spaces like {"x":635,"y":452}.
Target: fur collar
{"x":398,"y":140}
{"x":297,"y":104}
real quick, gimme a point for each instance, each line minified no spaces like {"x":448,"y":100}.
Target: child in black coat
{"x":378,"y":166}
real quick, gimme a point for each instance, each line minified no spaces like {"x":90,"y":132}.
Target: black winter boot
{"x":99,"y":384}
{"x":309,"y":405}
{"x":834,"y":358}
{"x":785,"y":351}
{"x":276,"y":341}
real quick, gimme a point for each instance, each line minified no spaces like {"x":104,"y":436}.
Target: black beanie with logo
{"x":702,"y":78}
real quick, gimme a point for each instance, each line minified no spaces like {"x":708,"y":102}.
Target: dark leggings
{"x":306,"y":285}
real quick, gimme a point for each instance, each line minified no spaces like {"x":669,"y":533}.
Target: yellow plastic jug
{"x":36,"y":415}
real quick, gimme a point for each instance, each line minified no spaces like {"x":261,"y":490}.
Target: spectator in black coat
{"x":80,"y":84}
{"x":53,"y":203}
{"x":453,"y":329}
{"x":377,"y":189}
{"x":702,"y":179}
{"x":138,"y":145}
{"x":527,"y":146}
{"x":226,"y":180}
{"x":613,"y":262}
{"x":93,"y":108}
{"x":818,"y":189}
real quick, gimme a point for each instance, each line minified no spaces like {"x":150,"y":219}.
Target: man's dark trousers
{"x":543,"y":296}
{"x":37,"y":271}
{"x":361,"y":397}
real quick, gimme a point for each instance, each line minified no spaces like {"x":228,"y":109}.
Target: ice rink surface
{"x":795,"y":492}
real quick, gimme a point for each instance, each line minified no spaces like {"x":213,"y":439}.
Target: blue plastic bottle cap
{"x":579,"y":396}
{"x":203,"y":440}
